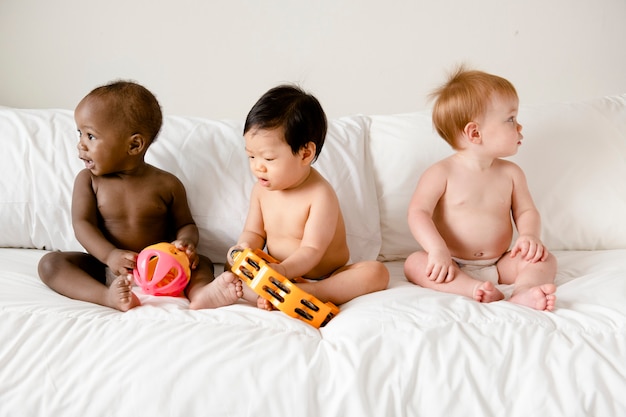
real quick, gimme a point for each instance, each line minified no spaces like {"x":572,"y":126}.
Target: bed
{"x":404,"y":351}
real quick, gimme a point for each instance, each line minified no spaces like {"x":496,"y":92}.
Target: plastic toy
{"x":162,"y":270}
{"x":251,"y":267}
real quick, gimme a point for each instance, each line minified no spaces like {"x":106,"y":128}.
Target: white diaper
{"x":481,"y":269}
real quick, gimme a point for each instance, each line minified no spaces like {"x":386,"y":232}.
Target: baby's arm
{"x":187,"y":234}
{"x":88,"y":233}
{"x":527,"y":220}
{"x":186,"y":241}
{"x":429,"y":190}
{"x":253,"y":234}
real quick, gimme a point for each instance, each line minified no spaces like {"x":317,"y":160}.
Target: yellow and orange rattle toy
{"x":162,"y":270}
{"x":252,"y":268}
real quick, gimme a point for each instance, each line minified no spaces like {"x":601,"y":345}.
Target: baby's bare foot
{"x":487,"y":292}
{"x":540,"y":298}
{"x":120,"y":295}
{"x":264,"y":304}
{"x":222,"y":291}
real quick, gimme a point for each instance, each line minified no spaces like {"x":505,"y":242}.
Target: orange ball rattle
{"x":162,"y":270}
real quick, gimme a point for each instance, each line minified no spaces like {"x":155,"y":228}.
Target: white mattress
{"x":406,"y":351}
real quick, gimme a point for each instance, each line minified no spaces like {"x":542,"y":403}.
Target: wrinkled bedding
{"x":403,"y":351}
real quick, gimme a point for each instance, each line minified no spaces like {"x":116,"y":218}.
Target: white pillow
{"x":401,"y":147}
{"x":39,"y":162}
{"x":343,"y":162}
{"x":574,"y":157}
{"x":210,"y":159}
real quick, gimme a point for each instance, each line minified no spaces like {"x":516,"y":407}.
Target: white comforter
{"x":406,"y":351}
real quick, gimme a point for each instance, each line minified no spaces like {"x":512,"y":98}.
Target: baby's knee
{"x":552,"y":263}
{"x":379,"y":275}
{"x":48,"y":266}
{"x":551,"y":259}
{"x":414,"y":264}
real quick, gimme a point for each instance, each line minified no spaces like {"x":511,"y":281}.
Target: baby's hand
{"x":121,"y":262}
{"x":440,"y":267}
{"x":189,"y":248}
{"x":530,"y":249}
{"x":237,"y":248}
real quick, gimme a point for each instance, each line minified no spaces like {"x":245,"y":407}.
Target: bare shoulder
{"x":510,"y":168}
{"x":506,"y":164}
{"x":321,"y":185}
{"x":318,"y":179}
{"x":86,"y":183}
{"x":152,"y":170}
{"x":165,"y":177}
{"x":439,"y":171}
{"x":83,"y":183}
{"x":83,"y":176}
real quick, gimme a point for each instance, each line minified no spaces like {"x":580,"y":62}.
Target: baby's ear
{"x":137,"y":144}
{"x":471,"y":132}
{"x":308,"y":152}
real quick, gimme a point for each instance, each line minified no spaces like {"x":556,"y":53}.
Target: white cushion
{"x":344,"y":164}
{"x":209,"y":158}
{"x":401,"y":147}
{"x":573,"y":154}
{"x":39,"y":162}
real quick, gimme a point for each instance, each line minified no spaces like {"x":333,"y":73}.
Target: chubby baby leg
{"x":224,"y":290}
{"x":534,"y":281}
{"x":461,"y":283}
{"x":349,"y":282}
{"x":80,"y":276}
{"x":207,"y":291}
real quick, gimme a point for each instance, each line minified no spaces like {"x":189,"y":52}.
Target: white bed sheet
{"x":406,"y":351}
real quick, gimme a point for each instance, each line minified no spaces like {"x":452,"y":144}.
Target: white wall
{"x":214,"y":58}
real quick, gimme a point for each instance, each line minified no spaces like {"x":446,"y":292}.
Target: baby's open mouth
{"x":88,"y":163}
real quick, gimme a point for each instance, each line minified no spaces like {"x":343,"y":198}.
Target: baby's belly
{"x":137,"y":236}
{"x":479,"y":241}
{"x":281,"y":248}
